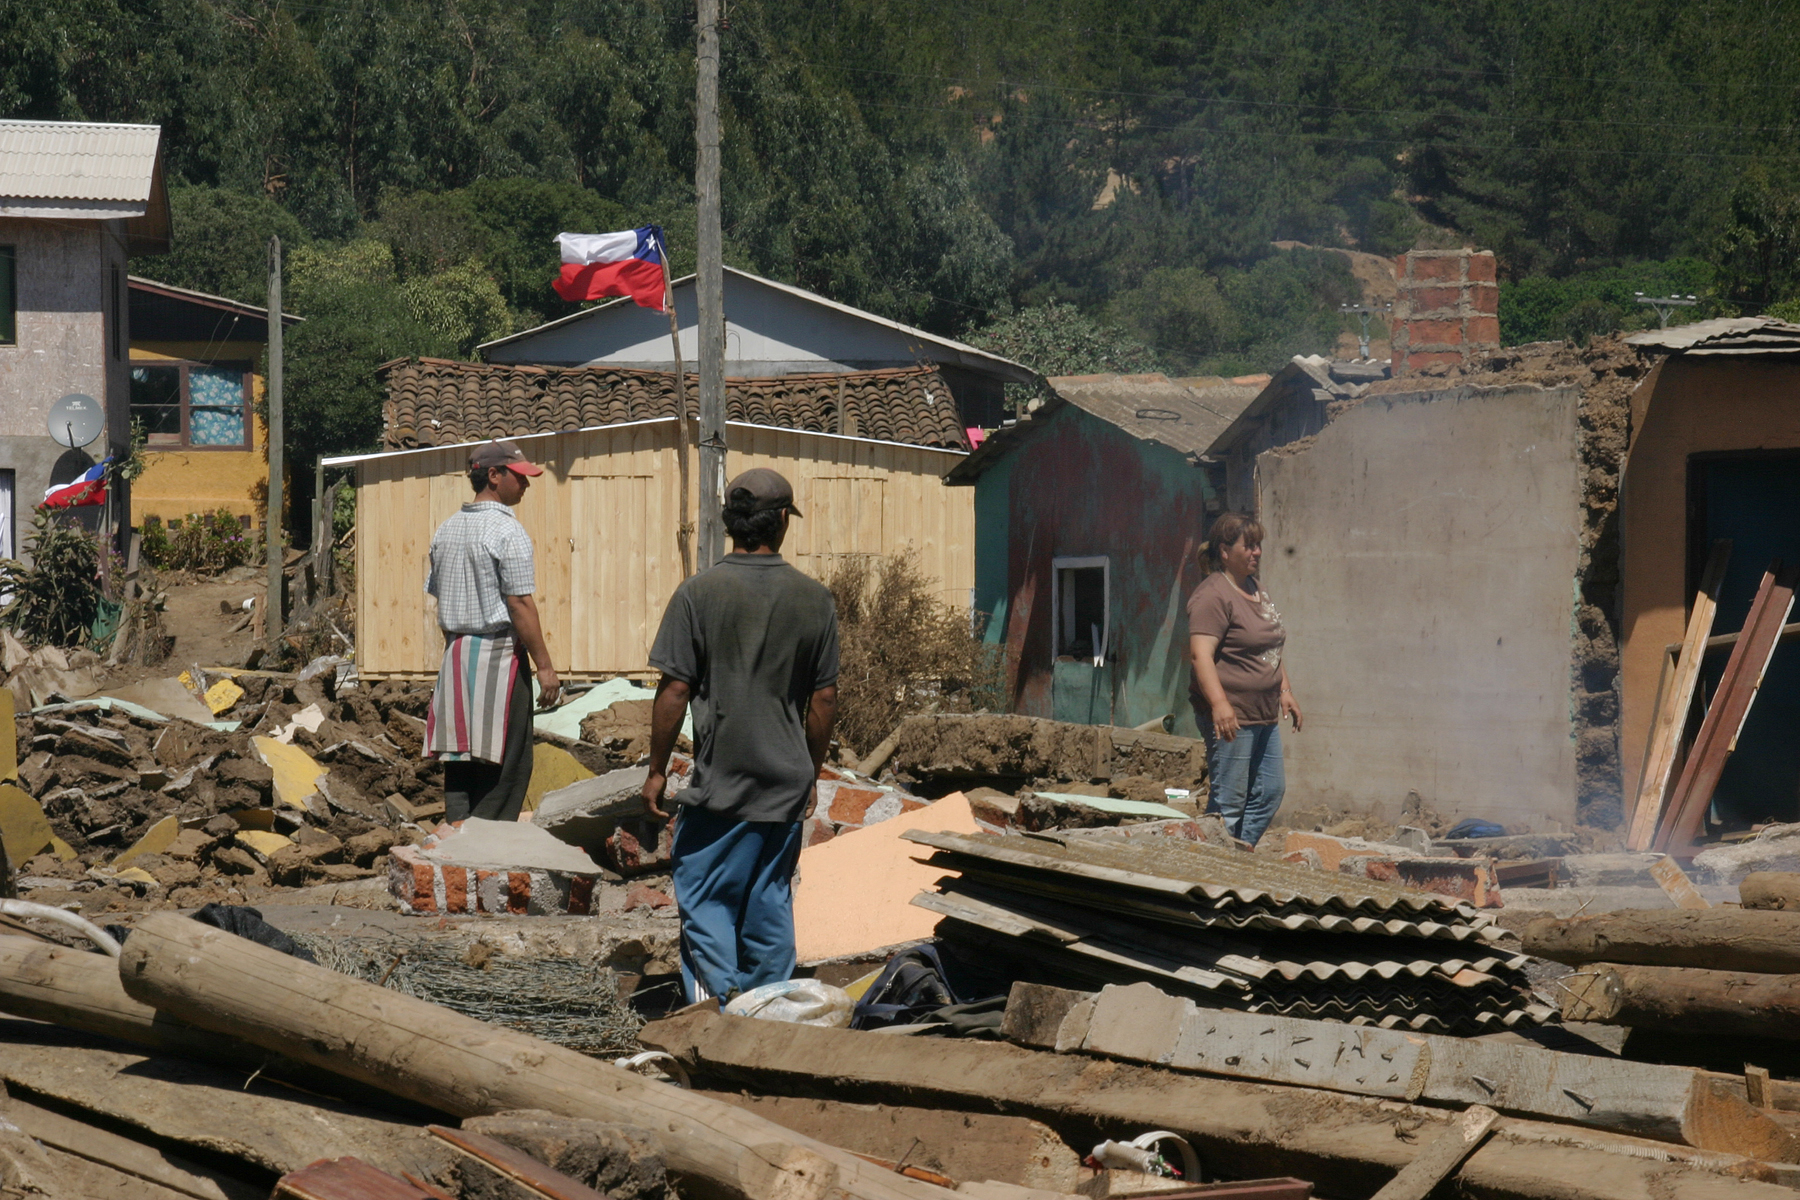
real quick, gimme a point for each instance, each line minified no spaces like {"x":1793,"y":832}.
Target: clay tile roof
{"x":434,"y":402}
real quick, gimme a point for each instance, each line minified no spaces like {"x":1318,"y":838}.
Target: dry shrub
{"x":902,"y":650}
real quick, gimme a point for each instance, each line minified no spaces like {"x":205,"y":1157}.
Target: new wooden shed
{"x":604,"y":516}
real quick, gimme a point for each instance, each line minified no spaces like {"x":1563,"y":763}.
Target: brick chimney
{"x":1446,"y":310}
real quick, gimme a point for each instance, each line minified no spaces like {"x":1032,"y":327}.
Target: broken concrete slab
{"x":565,"y":720}
{"x":1141,"y":1023}
{"x":552,"y":769}
{"x":169,"y":697}
{"x":1776,"y":848}
{"x":492,"y":867}
{"x":855,"y":892}
{"x":1607,"y":870}
{"x":586,"y":812}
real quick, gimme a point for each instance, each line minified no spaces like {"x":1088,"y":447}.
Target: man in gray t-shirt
{"x":752,"y":645}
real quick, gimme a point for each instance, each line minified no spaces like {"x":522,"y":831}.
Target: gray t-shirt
{"x":754,"y":639}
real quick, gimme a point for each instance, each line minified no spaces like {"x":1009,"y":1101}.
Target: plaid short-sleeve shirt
{"x":478,"y":557}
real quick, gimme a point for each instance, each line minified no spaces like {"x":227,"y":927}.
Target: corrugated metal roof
{"x":78,"y":160}
{"x":1182,"y":414}
{"x":1724,"y":335}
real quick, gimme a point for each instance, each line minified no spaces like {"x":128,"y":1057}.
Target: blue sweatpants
{"x":734,"y":886}
{"x":1245,"y":779}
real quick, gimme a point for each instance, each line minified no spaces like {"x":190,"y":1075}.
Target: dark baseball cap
{"x":767,"y":489}
{"x":502,"y":454}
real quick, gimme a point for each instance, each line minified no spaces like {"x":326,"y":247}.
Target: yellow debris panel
{"x":135,"y":875}
{"x":255,"y":818}
{"x":61,"y":849}
{"x":262,"y":844}
{"x":24,"y":829}
{"x":222,"y":695}
{"x":552,"y":767}
{"x":156,"y":839}
{"x":297,"y":774}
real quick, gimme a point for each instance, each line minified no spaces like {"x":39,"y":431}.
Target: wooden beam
{"x":517,"y":1171}
{"x":1441,"y":1156}
{"x":1676,"y":1104}
{"x":1723,"y":939}
{"x":124,"y":1155}
{"x":1776,"y":890}
{"x":1240,"y":1129}
{"x":1676,"y":701}
{"x":1685,"y":1000}
{"x":466,"y":1067}
{"x":1676,"y":885}
{"x":1720,"y":641}
{"x":1681,"y":820}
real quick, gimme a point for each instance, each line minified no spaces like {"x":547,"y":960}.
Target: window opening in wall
{"x":9,"y":300}
{"x":191,"y":404}
{"x":1080,"y":605}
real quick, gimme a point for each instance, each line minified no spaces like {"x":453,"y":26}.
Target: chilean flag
{"x":90,"y":488}
{"x":627,"y":263}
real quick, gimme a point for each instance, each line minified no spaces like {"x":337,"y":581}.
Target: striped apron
{"x":467,"y":718}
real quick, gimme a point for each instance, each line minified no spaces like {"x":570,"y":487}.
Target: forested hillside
{"x":951,"y":163}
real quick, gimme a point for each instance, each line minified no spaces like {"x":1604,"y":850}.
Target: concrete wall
{"x":1422,"y":552}
{"x":1080,"y":488}
{"x":204,"y":480}
{"x":1688,"y":406}
{"x":71,"y":338}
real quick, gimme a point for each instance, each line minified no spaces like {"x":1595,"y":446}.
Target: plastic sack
{"x":799,"y":1001}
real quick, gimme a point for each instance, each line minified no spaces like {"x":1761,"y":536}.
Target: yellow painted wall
{"x":603,"y":520}
{"x":178,"y":482}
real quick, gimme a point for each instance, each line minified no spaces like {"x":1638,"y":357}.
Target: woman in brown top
{"x":1240,"y":689}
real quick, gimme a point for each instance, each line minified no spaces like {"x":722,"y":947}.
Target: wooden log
{"x":1725,"y":939}
{"x":1676,"y":701}
{"x":1778,"y":890}
{"x":466,"y":1067}
{"x":1441,"y":1156}
{"x":1685,"y":1000}
{"x":128,"y":1157}
{"x":1241,"y":1129}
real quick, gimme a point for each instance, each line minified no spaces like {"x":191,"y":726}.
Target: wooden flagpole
{"x":684,"y":533}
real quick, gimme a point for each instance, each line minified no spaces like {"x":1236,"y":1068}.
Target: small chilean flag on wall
{"x":627,"y":263}
{"x":88,"y":488}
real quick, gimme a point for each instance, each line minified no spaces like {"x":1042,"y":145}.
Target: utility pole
{"x":710,"y":292}
{"x":272,"y":603}
{"x":1365,"y":311}
{"x":1665,"y":305}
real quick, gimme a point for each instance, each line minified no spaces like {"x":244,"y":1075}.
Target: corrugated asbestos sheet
{"x":1239,"y":930}
{"x":1726,"y":335}
{"x":70,"y":160}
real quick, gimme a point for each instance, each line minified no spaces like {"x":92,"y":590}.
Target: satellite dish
{"x":76,"y":420}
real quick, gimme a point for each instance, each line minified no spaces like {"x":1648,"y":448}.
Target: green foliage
{"x":1603,"y":300}
{"x":1759,"y":248}
{"x":220,"y":243}
{"x":1056,"y":339}
{"x":56,"y":599}
{"x":204,"y":543}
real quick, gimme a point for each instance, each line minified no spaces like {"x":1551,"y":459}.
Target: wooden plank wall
{"x":603,"y":519}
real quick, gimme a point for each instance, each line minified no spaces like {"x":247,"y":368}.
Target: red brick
{"x":1425,"y":266}
{"x":1485,"y":299}
{"x":908,"y":804}
{"x":850,"y":805}
{"x":1483,"y":267}
{"x":643,"y":896}
{"x":581,"y":895}
{"x":1434,"y":333}
{"x":818,"y":830}
{"x":1483,"y":331}
{"x":1413,"y":362}
{"x":424,"y":893}
{"x":1428,"y":299}
{"x":830,"y":774}
{"x":518,"y":892}
{"x":456,"y":889}
{"x":639,"y":846}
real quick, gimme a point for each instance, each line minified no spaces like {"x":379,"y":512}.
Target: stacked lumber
{"x":1239,"y":930}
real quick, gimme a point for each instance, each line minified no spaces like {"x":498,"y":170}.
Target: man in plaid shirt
{"x":483,"y":575}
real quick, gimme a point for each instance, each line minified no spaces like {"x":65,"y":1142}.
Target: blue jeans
{"x":1245,"y":781}
{"x":734,"y":887}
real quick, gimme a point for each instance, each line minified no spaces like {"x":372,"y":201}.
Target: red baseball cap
{"x":502,"y":454}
